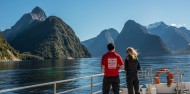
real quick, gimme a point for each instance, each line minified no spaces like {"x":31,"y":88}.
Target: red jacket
{"x":111,"y":61}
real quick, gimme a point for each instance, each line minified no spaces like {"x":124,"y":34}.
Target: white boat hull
{"x":162,"y":88}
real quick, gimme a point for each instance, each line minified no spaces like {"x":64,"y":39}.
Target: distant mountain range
{"x":50,"y":37}
{"x":137,"y":36}
{"x":175,"y":38}
{"x":46,"y":37}
{"x":98,"y":45}
{"x":155,"y":39}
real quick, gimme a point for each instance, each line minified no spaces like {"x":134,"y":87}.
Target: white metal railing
{"x":147,"y":73}
{"x":65,"y":81}
{"x":56,"y":82}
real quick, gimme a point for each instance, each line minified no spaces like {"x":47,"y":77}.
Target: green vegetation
{"x":25,"y":56}
{"x":51,"y":39}
{"x":6,"y":51}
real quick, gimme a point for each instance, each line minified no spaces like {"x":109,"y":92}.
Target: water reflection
{"x":17,"y":74}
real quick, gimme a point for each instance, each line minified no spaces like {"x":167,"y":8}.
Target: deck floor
{"x":125,"y":91}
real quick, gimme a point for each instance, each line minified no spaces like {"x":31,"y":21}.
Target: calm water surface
{"x":17,"y":74}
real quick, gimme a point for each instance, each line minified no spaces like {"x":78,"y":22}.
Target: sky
{"x":89,"y":17}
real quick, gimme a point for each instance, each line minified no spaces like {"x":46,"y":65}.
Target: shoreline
{"x":10,"y":60}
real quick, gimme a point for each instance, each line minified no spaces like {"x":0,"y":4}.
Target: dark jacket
{"x":131,"y":65}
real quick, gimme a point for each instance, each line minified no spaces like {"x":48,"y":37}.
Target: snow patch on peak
{"x":154,"y":25}
{"x":38,"y":17}
{"x":38,"y":14}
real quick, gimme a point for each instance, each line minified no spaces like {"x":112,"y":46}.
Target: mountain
{"x":52,"y":38}
{"x":182,"y":51}
{"x":157,"y":26}
{"x":169,"y":34}
{"x":97,"y":46}
{"x":137,"y":36}
{"x":25,"y":21}
{"x":7,"y":53}
{"x":88,"y":42}
{"x":185,"y":32}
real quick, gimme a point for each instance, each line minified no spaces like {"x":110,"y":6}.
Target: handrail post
{"x":91,"y":91}
{"x":55,"y":88}
{"x":177,"y":79}
{"x":181,"y":82}
{"x":152,"y":76}
{"x":149,"y":81}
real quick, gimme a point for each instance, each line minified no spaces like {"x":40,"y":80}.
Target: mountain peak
{"x":109,"y":30}
{"x":156,"y":24}
{"x":37,"y":10}
{"x":130,"y":22}
{"x":183,"y":28}
{"x":54,"y":20}
{"x":24,"y":22}
{"x":38,"y":14}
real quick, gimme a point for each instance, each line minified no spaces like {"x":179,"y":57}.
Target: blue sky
{"x":89,"y":17}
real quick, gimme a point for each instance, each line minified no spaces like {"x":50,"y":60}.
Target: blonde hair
{"x":131,"y":51}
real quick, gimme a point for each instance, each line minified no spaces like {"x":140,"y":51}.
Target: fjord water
{"x":17,"y":74}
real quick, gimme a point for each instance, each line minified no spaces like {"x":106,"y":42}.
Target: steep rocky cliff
{"x":52,"y":38}
{"x":7,"y":53}
{"x":137,"y":36}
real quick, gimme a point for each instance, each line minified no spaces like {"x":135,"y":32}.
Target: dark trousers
{"x":133,"y":81}
{"x":108,"y":81}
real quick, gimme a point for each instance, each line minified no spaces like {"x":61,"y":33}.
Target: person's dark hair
{"x":110,"y":46}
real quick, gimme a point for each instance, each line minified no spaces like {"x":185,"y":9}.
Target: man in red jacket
{"x":111,"y":64}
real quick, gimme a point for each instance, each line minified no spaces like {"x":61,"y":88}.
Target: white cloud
{"x":173,"y":24}
{"x":178,"y":25}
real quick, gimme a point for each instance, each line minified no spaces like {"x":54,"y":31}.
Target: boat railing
{"x":142,"y":73}
{"x":146,"y":73}
{"x":178,"y":72}
{"x":55,"y":85}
